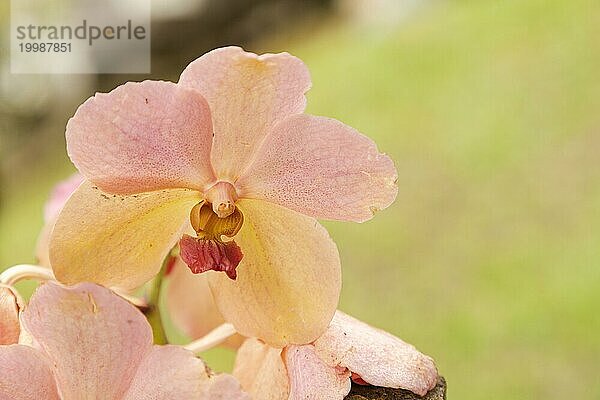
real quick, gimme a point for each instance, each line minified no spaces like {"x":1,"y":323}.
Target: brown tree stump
{"x":360,"y":392}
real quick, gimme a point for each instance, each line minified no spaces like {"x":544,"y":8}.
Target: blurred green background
{"x":490,"y":258}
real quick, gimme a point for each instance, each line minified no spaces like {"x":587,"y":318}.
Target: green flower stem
{"x":153,"y":311}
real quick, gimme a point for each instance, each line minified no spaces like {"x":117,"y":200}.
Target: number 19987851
{"x":45,"y":47}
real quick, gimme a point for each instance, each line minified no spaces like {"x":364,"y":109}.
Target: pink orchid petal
{"x":261,"y":371}
{"x":311,"y":378}
{"x":25,"y":375}
{"x":247,"y":95}
{"x":94,"y":339}
{"x":168,"y":372}
{"x":289,"y":280}
{"x":358,"y":380}
{"x":117,"y":241}
{"x":322,"y":168}
{"x":378,"y":357}
{"x":191,"y":305}
{"x":143,"y":136}
{"x":9,"y":317}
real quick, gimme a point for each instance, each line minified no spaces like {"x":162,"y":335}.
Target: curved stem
{"x":153,"y":311}
{"x":212,"y":338}
{"x":19,"y":272}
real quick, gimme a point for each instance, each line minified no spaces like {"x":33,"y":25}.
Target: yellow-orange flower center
{"x":208,"y":225}
{"x":212,"y":219}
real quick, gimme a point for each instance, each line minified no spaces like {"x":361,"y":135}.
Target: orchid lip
{"x":205,"y":254}
{"x":208,"y":251}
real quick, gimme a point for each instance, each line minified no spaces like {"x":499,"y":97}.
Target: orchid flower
{"x":348,"y":350}
{"x":226,"y":164}
{"x":88,"y":343}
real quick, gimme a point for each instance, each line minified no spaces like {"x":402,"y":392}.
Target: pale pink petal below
{"x":191,"y":305}
{"x":322,"y":168}
{"x":25,"y":375}
{"x":9,"y":316}
{"x":143,"y":136}
{"x":247,"y":95}
{"x":378,"y":357}
{"x":261,"y":371}
{"x":311,"y":378}
{"x":94,"y":339}
{"x":224,"y":387}
{"x":168,"y":372}
{"x":288,"y":282}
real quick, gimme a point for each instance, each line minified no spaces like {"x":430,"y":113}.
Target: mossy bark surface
{"x":360,"y":392}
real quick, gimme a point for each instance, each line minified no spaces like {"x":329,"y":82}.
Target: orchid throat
{"x":213,"y":219}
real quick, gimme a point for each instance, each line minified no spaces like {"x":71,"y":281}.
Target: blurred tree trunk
{"x":176,"y":42}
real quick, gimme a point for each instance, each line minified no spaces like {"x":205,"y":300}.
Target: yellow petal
{"x":59,"y":196}
{"x":117,"y":241}
{"x":289,"y":280}
{"x":41,"y":248}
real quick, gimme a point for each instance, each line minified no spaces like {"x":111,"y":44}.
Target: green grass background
{"x":489,"y":260}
